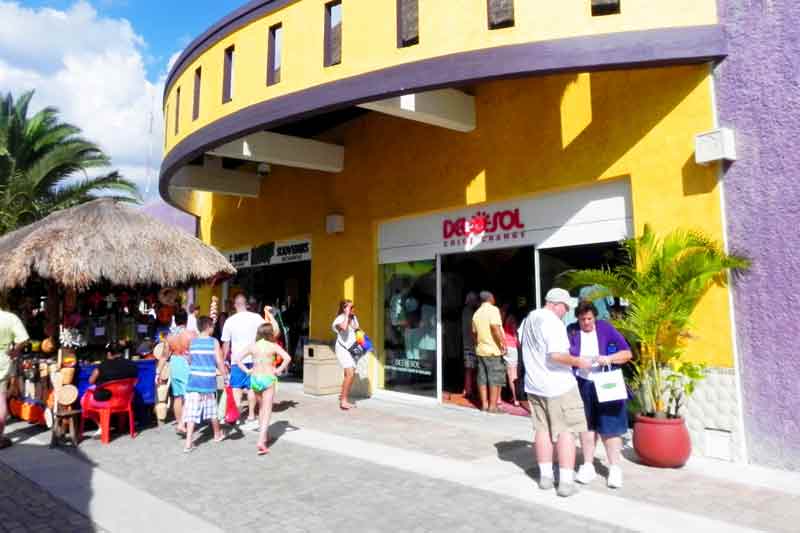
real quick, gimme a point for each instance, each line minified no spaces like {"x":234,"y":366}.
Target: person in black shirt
{"x":113,"y":368}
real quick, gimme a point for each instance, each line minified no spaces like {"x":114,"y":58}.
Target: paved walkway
{"x":389,"y":466}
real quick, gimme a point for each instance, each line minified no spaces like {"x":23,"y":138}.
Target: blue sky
{"x":165,"y":25}
{"x":103,"y":63}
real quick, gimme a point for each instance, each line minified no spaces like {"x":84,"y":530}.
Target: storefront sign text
{"x":502,"y":225}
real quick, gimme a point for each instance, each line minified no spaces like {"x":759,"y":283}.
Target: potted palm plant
{"x":663,"y":281}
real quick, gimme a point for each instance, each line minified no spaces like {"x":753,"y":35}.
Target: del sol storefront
{"x":516,"y":249}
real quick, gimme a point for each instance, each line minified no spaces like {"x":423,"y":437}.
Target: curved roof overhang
{"x":634,"y":49}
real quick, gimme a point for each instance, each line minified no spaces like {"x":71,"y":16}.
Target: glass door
{"x":410,"y":327}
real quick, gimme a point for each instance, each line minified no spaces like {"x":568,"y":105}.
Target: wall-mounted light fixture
{"x":334,"y":224}
{"x":714,"y":145}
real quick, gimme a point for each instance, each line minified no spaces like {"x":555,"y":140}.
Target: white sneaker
{"x":586,"y":474}
{"x":614,"y":480}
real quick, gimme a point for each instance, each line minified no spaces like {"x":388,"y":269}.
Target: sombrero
{"x":67,"y":394}
{"x":168,"y":296}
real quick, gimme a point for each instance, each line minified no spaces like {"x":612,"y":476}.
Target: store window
{"x":410,"y":327}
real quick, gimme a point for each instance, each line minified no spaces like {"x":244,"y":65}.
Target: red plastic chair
{"x":121,"y":402}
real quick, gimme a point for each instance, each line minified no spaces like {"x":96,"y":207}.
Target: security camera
{"x":263,"y":169}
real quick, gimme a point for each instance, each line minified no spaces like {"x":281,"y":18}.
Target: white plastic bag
{"x":610,"y":386}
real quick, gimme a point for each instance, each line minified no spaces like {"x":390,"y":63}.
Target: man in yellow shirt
{"x":12,"y":336}
{"x":487,"y":328}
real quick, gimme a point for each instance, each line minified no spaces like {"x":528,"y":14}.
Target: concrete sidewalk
{"x":391,"y":466}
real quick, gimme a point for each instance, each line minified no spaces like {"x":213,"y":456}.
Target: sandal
{"x":262,"y":450}
{"x":189,"y":450}
{"x":221,"y":438}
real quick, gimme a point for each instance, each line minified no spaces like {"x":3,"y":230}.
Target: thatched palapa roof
{"x":106,"y":240}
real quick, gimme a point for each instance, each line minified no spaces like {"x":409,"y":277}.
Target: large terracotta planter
{"x":661,"y":442}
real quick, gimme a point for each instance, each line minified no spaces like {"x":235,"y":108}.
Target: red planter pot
{"x":661,"y":442}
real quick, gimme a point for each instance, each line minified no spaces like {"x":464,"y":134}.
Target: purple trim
{"x":666,"y":46}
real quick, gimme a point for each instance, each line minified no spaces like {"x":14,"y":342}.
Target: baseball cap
{"x":559,"y":296}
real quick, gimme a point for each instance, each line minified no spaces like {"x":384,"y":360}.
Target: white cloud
{"x":92,"y":69}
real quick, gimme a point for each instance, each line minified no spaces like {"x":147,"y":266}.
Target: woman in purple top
{"x":601,"y":342}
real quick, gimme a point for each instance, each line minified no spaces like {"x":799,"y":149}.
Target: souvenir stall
{"x":94,"y":275}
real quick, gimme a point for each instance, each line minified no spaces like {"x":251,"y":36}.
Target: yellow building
{"x":356,"y":149}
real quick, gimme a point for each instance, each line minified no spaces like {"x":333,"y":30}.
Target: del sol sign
{"x":467,"y":232}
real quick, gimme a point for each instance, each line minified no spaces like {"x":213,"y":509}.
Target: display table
{"x":145,"y":388}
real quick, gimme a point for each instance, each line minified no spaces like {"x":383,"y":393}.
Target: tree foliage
{"x":663,"y":282}
{"x":41,"y":158}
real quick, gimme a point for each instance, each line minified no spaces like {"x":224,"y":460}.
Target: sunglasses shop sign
{"x":271,"y":253}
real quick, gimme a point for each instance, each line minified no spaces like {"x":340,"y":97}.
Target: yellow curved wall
{"x":534,"y":135}
{"x":369,"y":43}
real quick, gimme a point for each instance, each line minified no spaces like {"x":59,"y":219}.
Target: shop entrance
{"x":510,"y":274}
{"x":285,"y":287}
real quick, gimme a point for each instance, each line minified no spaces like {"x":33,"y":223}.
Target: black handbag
{"x":355,"y":350}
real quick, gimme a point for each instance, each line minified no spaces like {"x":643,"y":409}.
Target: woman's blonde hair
{"x":265,"y":332}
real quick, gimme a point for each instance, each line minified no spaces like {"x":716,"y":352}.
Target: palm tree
{"x":663,"y":282}
{"x":39,"y":158}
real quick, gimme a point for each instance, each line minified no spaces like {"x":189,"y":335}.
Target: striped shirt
{"x":203,"y":367}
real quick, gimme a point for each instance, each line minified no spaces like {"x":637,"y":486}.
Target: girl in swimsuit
{"x":263,"y":376}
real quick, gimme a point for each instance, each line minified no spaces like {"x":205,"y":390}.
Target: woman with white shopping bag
{"x":602,"y":388}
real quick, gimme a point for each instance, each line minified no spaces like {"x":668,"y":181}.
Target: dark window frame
{"x":401,"y":29}
{"x":508,"y":23}
{"x":602,"y":8}
{"x":177,"y":110}
{"x":198,"y":80}
{"x":228,"y":73}
{"x":273,"y":75}
{"x":329,"y":60}
{"x":166,"y":125}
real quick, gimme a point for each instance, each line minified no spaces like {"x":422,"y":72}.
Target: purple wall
{"x":758,"y":91}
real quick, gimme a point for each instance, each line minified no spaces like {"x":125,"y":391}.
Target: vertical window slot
{"x":333,"y":33}
{"x":501,"y":14}
{"x":227,"y":76}
{"x":274,"y":51}
{"x":407,"y":23}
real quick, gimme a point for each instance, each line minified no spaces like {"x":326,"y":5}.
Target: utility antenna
{"x":149,"y":169}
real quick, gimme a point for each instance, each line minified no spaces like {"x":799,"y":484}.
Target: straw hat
{"x":48,"y":345}
{"x":67,"y":394}
{"x":168,"y":296}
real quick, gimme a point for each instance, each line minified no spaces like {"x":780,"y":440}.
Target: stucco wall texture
{"x":758,"y":91}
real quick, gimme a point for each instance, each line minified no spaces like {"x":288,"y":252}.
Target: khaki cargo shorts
{"x":5,"y":372}
{"x":561,"y":414}
{"x":491,"y":371}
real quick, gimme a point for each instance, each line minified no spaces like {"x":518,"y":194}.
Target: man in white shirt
{"x":238,"y":333}
{"x":556,"y":405}
{"x":13,"y":336}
